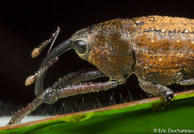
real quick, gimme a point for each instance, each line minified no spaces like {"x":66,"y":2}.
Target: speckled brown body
{"x":164,"y":49}
{"x":157,"y":49}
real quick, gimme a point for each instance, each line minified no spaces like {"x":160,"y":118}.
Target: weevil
{"x":159,"y":50}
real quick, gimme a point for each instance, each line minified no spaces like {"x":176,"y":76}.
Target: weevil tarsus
{"x":18,"y":116}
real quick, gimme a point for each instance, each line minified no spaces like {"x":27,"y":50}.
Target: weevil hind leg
{"x":157,"y":90}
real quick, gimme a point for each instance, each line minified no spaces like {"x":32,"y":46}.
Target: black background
{"x":23,"y":25}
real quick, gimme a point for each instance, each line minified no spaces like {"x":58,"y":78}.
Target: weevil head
{"x":107,"y":46}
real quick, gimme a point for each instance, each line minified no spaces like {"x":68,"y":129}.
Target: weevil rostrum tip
{"x":157,"y":49}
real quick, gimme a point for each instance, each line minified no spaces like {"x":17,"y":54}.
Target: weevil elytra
{"x":159,"y":50}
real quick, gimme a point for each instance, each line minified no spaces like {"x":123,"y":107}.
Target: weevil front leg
{"x":71,"y":78}
{"x":157,"y":90}
{"x":52,"y":95}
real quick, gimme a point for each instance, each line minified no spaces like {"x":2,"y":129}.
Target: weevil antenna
{"x":31,"y":79}
{"x":45,"y":43}
{"x":48,"y":61}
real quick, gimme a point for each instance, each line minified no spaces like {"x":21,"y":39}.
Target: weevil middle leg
{"x":78,"y":77}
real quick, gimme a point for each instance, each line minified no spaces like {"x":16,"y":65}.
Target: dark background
{"x":23,"y":25}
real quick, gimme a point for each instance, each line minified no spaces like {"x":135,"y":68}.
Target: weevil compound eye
{"x":80,"y":46}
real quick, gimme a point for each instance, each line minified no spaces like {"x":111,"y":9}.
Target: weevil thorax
{"x":109,"y":47}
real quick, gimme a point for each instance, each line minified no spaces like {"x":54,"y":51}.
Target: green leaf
{"x":133,"y":117}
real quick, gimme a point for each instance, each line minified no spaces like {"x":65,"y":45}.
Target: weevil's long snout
{"x":57,"y":51}
{"x":48,"y":61}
